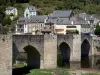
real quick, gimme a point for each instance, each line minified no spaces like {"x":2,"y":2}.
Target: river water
{"x":92,"y":62}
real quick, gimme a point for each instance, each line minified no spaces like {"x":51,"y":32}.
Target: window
{"x":26,"y":15}
{"x":41,"y":25}
{"x":70,"y":26}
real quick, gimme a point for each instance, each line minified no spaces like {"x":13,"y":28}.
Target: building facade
{"x":30,"y":12}
{"x":30,"y":25}
{"x":12,"y":12}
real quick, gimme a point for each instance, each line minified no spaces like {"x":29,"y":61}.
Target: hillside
{"x":47,"y":6}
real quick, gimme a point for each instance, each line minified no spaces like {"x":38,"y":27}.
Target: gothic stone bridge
{"x":42,"y":50}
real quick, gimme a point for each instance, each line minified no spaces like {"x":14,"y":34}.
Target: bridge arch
{"x":85,"y":49}
{"x":64,"y":52}
{"x":33,"y":56}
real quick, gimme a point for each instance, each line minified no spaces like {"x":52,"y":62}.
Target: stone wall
{"x":21,"y":41}
{"x":96,"y":45}
{"x":50,"y":51}
{"x":46,"y":46}
{"x":5,"y":55}
{"x":76,"y":52}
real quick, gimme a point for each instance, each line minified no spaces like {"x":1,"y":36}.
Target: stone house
{"x":12,"y":12}
{"x":64,"y":22}
{"x":31,"y":25}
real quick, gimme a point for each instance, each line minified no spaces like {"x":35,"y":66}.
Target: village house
{"x":65,"y":22}
{"x":30,"y":12}
{"x":12,"y":12}
{"x":31,"y":25}
{"x":58,"y":22}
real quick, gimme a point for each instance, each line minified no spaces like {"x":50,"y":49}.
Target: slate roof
{"x":51,"y":20}
{"x":39,"y":19}
{"x":9,"y":8}
{"x":62,"y":14}
{"x":86,"y":16}
{"x":34,"y":19}
{"x":23,"y":20}
{"x":76,"y":21}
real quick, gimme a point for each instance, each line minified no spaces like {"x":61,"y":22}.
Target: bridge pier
{"x":75,"y":57}
{"x":50,"y":51}
{"x":5,"y":55}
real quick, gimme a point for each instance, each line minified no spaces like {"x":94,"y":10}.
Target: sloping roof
{"x":86,"y":16}
{"x":34,"y":19}
{"x":62,"y":14}
{"x":51,"y":20}
{"x":76,"y":21}
{"x":39,"y":19}
{"x":10,"y":8}
{"x":23,"y":20}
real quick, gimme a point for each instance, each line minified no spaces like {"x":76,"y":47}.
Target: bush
{"x":59,"y":60}
{"x":97,"y":31}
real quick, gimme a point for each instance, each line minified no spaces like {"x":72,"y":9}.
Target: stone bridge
{"x":46,"y":47}
{"x":41,"y":51}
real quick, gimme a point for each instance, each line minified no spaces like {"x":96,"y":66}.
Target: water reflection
{"x":91,"y":62}
{"x":85,"y":63}
{"x":21,"y":71}
{"x":63,"y":55}
{"x":96,"y":62}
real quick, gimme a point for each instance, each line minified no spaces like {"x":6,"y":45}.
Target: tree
{"x":6,"y":21}
{"x":97,"y":31}
{"x":2,"y":2}
{"x":5,"y":29}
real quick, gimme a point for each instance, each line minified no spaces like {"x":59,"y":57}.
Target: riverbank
{"x":61,"y":71}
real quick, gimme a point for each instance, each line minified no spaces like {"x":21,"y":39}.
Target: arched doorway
{"x":33,"y":57}
{"x":63,"y":55}
{"x":85,"y":48}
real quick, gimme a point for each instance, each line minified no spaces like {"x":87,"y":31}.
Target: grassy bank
{"x":49,"y":72}
{"x":57,"y":72}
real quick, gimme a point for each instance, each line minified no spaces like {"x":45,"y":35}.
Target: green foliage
{"x":59,"y":60}
{"x":2,"y":2}
{"x":91,"y":74}
{"x":44,"y":11}
{"x":48,"y":72}
{"x":97,"y":25}
{"x":89,"y":6}
{"x":5,"y":29}
{"x":97,"y":31}
{"x":6,"y":21}
{"x":18,"y":65}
